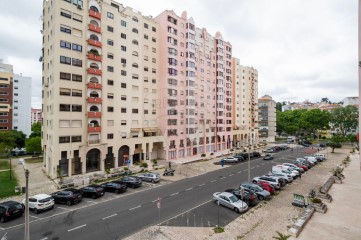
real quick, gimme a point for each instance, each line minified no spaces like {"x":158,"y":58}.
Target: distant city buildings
{"x":267,"y":119}
{"x":6,"y":96}
{"x":36,"y":115}
{"x":350,"y":101}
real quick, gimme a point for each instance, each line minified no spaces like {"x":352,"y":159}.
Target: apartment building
{"x":267,"y":119}
{"x":195,"y":88}
{"x":6,"y":96}
{"x":36,"y":115}
{"x":245,"y":105}
{"x":100,"y":83}
{"x":22,"y":104}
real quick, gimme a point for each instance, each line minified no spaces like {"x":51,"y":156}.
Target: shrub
{"x":316,"y":200}
{"x":211,"y":154}
{"x":203,"y":155}
{"x":126,"y":168}
{"x":144,"y":164}
{"x":218,"y":229}
{"x":155,"y":162}
{"x":281,"y":236}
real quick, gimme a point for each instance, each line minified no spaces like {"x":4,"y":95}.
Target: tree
{"x":19,"y":138}
{"x":344,"y":119}
{"x":352,"y":138}
{"x":33,"y":145}
{"x":315,"y":119}
{"x":325,"y":100}
{"x":35,"y":130}
{"x":279,"y":106}
{"x":335,"y":142}
{"x":7,"y":142}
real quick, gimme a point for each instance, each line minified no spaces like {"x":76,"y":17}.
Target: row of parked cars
{"x":70,"y":196}
{"x":262,"y":187}
{"x":240,"y":157}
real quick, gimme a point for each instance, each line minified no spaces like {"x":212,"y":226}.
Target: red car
{"x":266,"y":186}
{"x":302,"y":166}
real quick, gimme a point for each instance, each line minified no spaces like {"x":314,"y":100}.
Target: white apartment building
{"x":267,"y":119}
{"x":22,"y":104}
{"x":100,"y":83}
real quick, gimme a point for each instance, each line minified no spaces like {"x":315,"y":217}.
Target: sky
{"x":302,"y":49}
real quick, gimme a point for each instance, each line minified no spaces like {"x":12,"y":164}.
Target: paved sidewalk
{"x":342,"y":221}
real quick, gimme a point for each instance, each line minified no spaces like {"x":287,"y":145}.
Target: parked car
{"x":294,"y":167}
{"x":239,"y":157}
{"x":40,"y":202}
{"x":150,"y":177}
{"x":266,"y":186}
{"x":301,"y":166}
{"x":68,"y":196}
{"x":274,"y":182}
{"x":230,"y":160}
{"x":10,"y":210}
{"x":282,"y":180}
{"x":114,"y":187}
{"x":261,"y":194}
{"x":131,"y":181}
{"x":256,"y":154}
{"x":92,"y":191}
{"x":269,"y":150}
{"x":268,"y":157}
{"x":247,"y":196}
{"x":229,"y":200}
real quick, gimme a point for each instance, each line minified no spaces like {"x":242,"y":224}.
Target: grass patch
{"x":7,"y":186}
{"x":218,"y":229}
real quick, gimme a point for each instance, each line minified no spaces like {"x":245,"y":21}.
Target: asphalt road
{"x":183,"y":203}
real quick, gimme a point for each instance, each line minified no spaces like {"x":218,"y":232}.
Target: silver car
{"x":150,"y":177}
{"x":229,"y":200}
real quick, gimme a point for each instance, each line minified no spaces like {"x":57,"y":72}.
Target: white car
{"x":230,"y":160}
{"x":294,"y":167}
{"x":285,"y":176}
{"x":229,"y":200}
{"x":268,"y":150}
{"x":40,"y":202}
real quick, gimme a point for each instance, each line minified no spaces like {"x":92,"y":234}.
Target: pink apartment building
{"x":195,"y":88}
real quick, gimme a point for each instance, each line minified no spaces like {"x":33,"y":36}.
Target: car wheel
{"x":2,"y":219}
{"x":236,"y":210}
{"x":254,"y":181}
{"x":94,"y":196}
{"x":117,"y":191}
{"x":217,"y":202}
{"x":36,"y":211}
{"x":68,"y":202}
{"x":152,"y":181}
{"x":172,"y":174}
{"x":260,"y":197}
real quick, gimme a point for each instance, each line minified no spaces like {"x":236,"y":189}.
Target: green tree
{"x":33,"y":145}
{"x":352,"y":138}
{"x":344,"y":119}
{"x":325,"y":100}
{"x":35,"y":130}
{"x":19,"y":138}
{"x":7,"y":142}
{"x":314,"y":119}
{"x":335,"y":142}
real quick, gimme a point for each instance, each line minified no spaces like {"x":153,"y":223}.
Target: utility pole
{"x":249,"y":159}
{"x":26,"y":233}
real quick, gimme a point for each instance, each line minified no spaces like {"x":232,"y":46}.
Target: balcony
{"x":91,"y":56}
{"x":94,"y":114}
{"x":95,"y":85}
{"x":94,"y":28}
{"x":95,"y":43}
{"x":94,"y":129}
{"x":94,"y":141}
{"x":94,"y":71}
{"x":96,"y":15}
{"x":94,"y":100}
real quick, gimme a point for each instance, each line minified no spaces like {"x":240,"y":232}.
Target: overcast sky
{"x":302,"y":49}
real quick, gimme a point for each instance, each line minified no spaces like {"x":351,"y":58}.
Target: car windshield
{"x":45,"y":200}
{"x":258,"y":188}
{"x":233,"y":199}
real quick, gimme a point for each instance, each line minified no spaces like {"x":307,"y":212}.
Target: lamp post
{"x":26,"y":230}
{"x":249,"y":160}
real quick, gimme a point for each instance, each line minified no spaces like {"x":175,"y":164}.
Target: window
{"x":123,"y":23}
{"x":110,"y":136}
{"x":110,"y":96}
{"x":77,"y":47}
{"x":123,"y":73}
{"x":146,"y":69}
{"x":123,"y":48}
{"x":110,"y":29}
{"x":110,"y":69}
{"x":110,"y":82}
{"x":123,"y":110}
{"x":64,"y":139}
{"x":65,"y":29}
{"x":64,"y":92}
{"x":123,"y":122}
{"x":154,"y":71}
{"x":134,"y":110}
{"x":154,"y":39}
{"x":110,"y":56}
{"x":123,"y":61}
{"x":135,"y":19}
{"x":65,"y":76}
{"x":145,"y":25}
{"x":123,"y":97}
{"x":110,"y":15}
{"x":77,"y":78}
{"x":110,"y":109}
{"x":135,"y":53}
{"x":123,"y":85}
{"x":64,"y":107}
{"x":154,"y":81}
{"x":65,"y":60}
{"x":77,"y":62}
{"x":77,"y":17}
{"x":65,"y":13}
{"x":75,"y":138}
{"x":76,"y":93}
{"x":64,"y":44}
{"x":134,"y":30}
{"x":135,"y":76}
{"x":76,"y":108}
{"x":145,"y":111}
{"x":145,"y":36}
{"x":135,"y":42}
{"x":123,"y":35}
{"x":154,"y":29}
{"x":110,"y":42}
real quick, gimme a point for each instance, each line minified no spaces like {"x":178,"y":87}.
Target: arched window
{"x":95,"y":23}
{"x":94,"y":65}
{"x":135,"y":30}
{"x":95,"y":9}
{"x":94,"y":37}
{"x":94,"y":123}
{"x":94,"y":109}
{"x":135,"y":42}
{"x":94,"y":94}
{"x":94,"y":51}
{"x":135,"y":53}
{"x":135,"y":65}
{"x":135,"y":19}
{"x":94,"y":80}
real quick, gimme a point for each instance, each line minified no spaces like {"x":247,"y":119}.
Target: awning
{"x":150,"y":129}
{"x":135,"y":129}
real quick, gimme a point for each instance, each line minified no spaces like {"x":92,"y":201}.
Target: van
{"x":320,"y":155}
{"x":290,"y":139}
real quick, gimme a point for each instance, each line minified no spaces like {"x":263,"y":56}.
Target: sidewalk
{"x":342,"y":220}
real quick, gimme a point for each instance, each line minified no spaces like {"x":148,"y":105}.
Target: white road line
{"x":174,"y":194}
{"x":91,"y":201}
{"x":189,"y":189}
{"x":62,"y":208}
{"x":213,"y":180}
{"x":33,"y":216}
{"x":110,"y":216}
{"x":69,"y":230}
{"x":231,"y":174}
{"x":154,"y":200}
{"x":239,"y":172}
{"x":44,"y":238}
{"x":2,"y":228}
{"x":130,"y":209}
{"x":201,"y":185}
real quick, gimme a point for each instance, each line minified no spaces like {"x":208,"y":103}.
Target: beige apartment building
{"x":245,"y":105}
{"x":6,"y":96}
{"x":100,"y":83}
{"x":267,"y":119}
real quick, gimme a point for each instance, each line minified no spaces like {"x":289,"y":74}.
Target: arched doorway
{"x":123,"y":154}
{"x":93,"y":160}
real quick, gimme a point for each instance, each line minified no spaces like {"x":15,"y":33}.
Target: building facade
{"x":267,"y":119}
{"x":245,"y":105}
{"x":22,"y":104}
{"x":350,"y":101}
{"x":100,"y":82}
{"x":6,"y":96}
{"x":36,"y":115}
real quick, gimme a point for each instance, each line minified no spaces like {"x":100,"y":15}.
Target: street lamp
{"x":249,"y":160}
{"x":26,"y":233}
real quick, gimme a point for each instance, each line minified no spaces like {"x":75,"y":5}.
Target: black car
{"x":68,"y":196}
{"x":116,"y":187}
{"x":131,"y":181}
{"x":248,"y":196}
{"x":239,"y":157}
{"x":256,"y":154}
{"x":93,"y":191}
{"x":10,"y":209}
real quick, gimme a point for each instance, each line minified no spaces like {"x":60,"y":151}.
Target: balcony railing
{"x":91,"y":56}
{"x":94,"y":71}
{"x":96,"y":15}
{"x":94,"y":28}
{"x":94,"y":129}
{"x":94,"y":114}
{"x":94,"y":100}
{"x":95,"y":85}
{"x":94,"y":141}
{"x":95,"y":43}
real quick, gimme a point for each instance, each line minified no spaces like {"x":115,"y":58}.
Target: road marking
{"x":2,"y":228}
{"x":76,"y":228}
{"x":239,"y":172}
{"x":189,"y":189}
{"x":91,"y":201}
{"x":174,"y":194}
{"x":135,"y":207}
{"x":44,"y":238}
{"x":201,"y":185}
{"x":231,"y":174}
{"x":33,"y":216}
{"x":213,"y":180}
{"x":62,"y":208}
{"x":110,"y":216}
